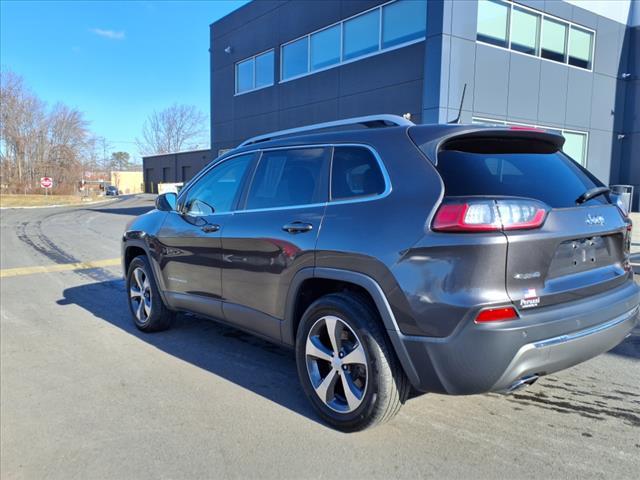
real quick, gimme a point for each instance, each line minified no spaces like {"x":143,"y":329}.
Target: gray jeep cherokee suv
{"x":444,"y":258}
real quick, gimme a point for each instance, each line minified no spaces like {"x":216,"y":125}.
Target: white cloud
{"x":110,"y":34}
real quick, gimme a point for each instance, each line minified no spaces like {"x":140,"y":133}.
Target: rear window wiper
{"x":592,"y":193}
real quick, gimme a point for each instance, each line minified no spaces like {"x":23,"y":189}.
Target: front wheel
{"x":147,"y":309}
{"x":346,"y":365}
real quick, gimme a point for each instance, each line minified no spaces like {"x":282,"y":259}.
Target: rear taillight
{"x":497,"y":315}
{"x":489,"y":215}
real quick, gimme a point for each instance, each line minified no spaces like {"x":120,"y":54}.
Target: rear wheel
{"x":346,"y":365}
{"x":147,"y":309}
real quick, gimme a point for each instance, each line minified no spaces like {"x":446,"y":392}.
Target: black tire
{"x":160,"y":317}
{"x":387,"y":387}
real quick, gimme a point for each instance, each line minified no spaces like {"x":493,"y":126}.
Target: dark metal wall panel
{"x":427,"y":79}
{"x":172,"y":167}
{"x":629,"y":171}
{"x":385,"y":83}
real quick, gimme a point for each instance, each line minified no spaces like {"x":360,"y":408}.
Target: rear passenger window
{"x":288,"y":178}
{"x":355,"y":172}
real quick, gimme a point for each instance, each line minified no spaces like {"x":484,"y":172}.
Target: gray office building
{"x":569,"y":66}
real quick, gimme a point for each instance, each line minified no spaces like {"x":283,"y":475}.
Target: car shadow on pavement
{"x":259,"y":366}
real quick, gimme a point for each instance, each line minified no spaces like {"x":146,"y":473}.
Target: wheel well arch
{"x":131,"y":252}
{"x":319,"y":281}
{"x":310,"y":284}
{"x":313,"y":288}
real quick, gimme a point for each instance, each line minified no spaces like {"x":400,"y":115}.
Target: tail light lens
{"x":489,"y":215}
{"x":524,"y":128}
{"x":497,"y":315}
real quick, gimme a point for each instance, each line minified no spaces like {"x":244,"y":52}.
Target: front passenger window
{"x":218,"y":189}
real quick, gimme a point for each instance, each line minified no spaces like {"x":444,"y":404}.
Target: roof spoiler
{"x":431,"y":145}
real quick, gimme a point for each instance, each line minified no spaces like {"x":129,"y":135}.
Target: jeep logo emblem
{"x":594,"y":219}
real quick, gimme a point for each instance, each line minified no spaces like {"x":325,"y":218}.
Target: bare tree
{"x":35,"y":141}
{"x":177,"y":128}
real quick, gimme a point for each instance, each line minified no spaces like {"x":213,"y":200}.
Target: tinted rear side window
{"x":290,"y":177}
{"x":549,"y":177}
{"x":355,"y":172}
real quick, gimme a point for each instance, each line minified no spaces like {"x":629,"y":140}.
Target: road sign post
{"x":46,"y":183}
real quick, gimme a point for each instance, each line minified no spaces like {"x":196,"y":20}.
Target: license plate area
{"x":583,"y":254}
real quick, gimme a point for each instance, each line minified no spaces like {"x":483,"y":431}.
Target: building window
{"x":575,"y":143}
{"x":403,"y":21}
{"x":554,"y":40}
{"x":392,"y":25}
{"x":493,"y":22}
{"x":255,"y":72}
{"x":580,"y":47}
{"x":325,"y":47}
{"x":525,"y":28}
{"x":244,"y":76}
{"x":509,"y":25}
{"x":264,"y":69}
{"x":295,"y":58}
{"x":361,"y":35}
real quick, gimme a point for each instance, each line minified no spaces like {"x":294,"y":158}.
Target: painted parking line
{"x":60,"y":267}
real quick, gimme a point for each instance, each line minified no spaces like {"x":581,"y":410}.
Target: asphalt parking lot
{"x":85,"y":395}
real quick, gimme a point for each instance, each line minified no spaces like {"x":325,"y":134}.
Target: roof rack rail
{"x":370,"y":121}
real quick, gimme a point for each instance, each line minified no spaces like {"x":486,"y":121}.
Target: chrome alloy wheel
{"x":140,"y":294}
{"x":336,"y":364}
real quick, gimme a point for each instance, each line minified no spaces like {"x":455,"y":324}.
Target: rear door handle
{"x":210,"y":228}
{"x":297,"y":227}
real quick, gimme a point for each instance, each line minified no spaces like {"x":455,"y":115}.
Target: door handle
{"x":297,"y":227}
{"x":210,"y":228}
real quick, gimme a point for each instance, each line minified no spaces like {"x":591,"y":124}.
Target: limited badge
{"x":530,"y":299}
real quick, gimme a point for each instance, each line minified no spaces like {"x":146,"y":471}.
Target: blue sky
{"x":115,"y":61}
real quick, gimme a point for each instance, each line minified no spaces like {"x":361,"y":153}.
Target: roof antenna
{"x":457,"y":119}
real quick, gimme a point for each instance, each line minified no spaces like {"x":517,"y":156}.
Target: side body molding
{"x":376,"y":292}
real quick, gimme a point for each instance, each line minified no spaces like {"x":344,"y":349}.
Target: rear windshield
{"x":547,"y":176}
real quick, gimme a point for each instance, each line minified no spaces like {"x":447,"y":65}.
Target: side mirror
{"x":167,"y":202}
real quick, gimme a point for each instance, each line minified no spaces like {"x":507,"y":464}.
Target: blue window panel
{"x":403,"y":21}
{"x":244,"y":76}
{"x":295,"y":58}
{"x":361,"y":35}
{"x":325,"y":47}
{"x":264,"y":69}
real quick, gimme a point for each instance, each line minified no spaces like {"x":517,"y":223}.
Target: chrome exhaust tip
{"x":522,"y":382}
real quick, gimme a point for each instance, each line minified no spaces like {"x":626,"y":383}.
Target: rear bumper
{"x":479,"y":358}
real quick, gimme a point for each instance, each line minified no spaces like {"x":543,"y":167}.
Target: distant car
{"x":440,"y":258}
{"x":110,"y":191}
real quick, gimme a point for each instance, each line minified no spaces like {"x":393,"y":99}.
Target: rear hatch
{"x":560,"y":247}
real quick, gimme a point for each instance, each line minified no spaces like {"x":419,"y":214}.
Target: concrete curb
{"x":81,"y":204}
